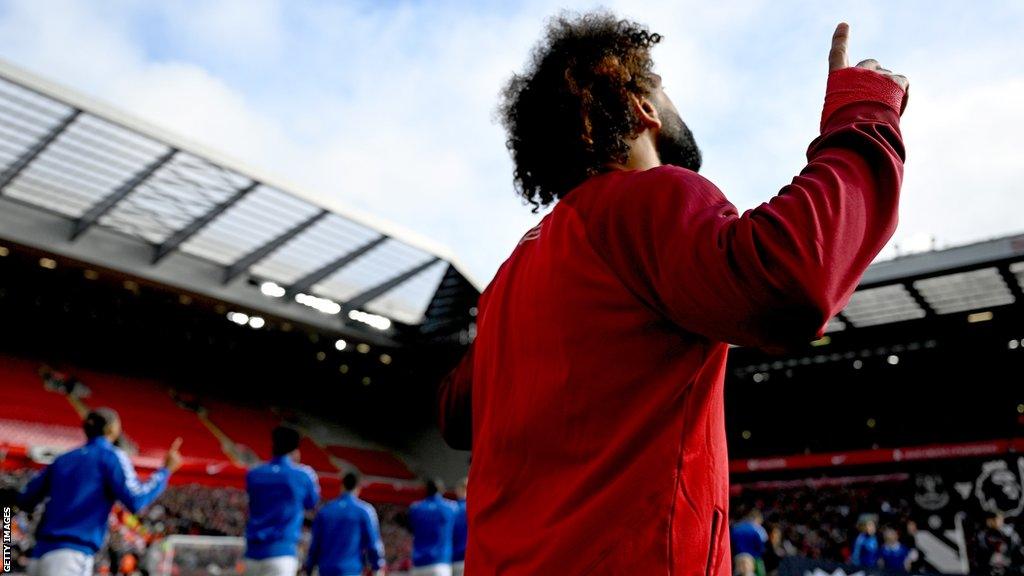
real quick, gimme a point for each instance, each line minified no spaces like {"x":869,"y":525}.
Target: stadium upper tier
{"x":83,"y":180}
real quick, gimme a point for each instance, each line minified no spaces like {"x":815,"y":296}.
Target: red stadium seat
{"x":150,"y":416}
{"x":314,"y":456}
{"x":249,"y":427}
{"x":31,"y":415}
{"x":373,"y":462}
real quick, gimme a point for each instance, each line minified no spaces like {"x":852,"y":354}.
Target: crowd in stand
{"x":820,"y":523}
{"x":868,"y":526}
{"x":189,"y":510}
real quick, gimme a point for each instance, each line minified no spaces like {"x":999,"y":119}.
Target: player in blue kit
{"x":280,"y":492}
{"x":346,"y":536}
{"x":80,"y":487}
{"x":432,"y":521}
{"x":460,"y":530}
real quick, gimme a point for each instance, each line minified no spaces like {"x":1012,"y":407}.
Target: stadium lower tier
{"x":41,"y":410}
{"x":813,"y":519}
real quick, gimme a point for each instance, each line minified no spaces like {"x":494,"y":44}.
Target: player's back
{"x":342,"y":529}
{"x":748,"y":538}
{"x":79,"y":499}
{"x":432,"y":521}
{"x":279,"y":493}
{"x":597,"y":423}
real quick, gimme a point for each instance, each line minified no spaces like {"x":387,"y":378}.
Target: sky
{"x":388,"y":107}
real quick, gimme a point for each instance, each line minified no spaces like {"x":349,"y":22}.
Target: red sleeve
{"x":777,"y":273}
{"x":455,"y":405}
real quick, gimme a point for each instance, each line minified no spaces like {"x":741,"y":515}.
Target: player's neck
{"x":643,"y":154}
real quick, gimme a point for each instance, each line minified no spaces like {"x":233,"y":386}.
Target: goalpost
{"x":197,"y":555}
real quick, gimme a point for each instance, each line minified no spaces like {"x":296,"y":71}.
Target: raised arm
{"x":777,"y":273}
{"x":124,"y":483}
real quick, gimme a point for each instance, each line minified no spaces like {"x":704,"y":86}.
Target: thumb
{"x":175,"y":445}
{"x":837,"y":56}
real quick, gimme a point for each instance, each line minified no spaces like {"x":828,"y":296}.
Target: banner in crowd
{"x":991,"y":448}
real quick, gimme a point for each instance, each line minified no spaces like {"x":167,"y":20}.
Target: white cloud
{"x":389,"y":109}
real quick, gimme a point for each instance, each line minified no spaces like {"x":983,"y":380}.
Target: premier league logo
{"x":1000,"y":488}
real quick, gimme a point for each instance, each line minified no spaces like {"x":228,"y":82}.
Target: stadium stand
{"x":314,"y":456}
{"x":372,"y":462}
{"x":248,"y":428}
{"x":29,"y":413}
{"x":150,"y":416}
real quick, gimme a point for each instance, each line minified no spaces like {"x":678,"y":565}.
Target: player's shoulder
{"x":305,"y":470}
{"x":670,"y":172}
{"x":638,"y":193}
{"x":669,"y":179}
{"x":111,"y":458}
{"x":263,"y":472}
{"x":70,"y":457}
{"x":332,"y":508}
{"x":258,"y":469}
{"x":115,"y":454}
{"x":366,"y":508}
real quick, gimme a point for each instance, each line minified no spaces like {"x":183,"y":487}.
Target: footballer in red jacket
{"x":592,"y":395}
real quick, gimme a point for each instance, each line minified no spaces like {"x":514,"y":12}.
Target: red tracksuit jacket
{"x":592,"y":396}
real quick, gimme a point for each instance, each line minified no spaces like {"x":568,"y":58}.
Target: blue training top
{"x":865,"y":551}
{"x":346,"y":537}
{"x":748,"y":538}
{"x":432,"y":520}
{"x":280,"y":491}
{"x":459,"y":532}
{"x":894,"y":557}
{"x":82,"y":486}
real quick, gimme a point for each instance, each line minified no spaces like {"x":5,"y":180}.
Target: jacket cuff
{"x":854,"y":84}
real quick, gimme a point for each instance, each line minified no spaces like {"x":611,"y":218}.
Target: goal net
{"x":197,"y":555}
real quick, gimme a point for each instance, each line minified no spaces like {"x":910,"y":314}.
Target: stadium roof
{"x":964,"y":279}
{"x":81,"y":179}
{"x":927,"y":351}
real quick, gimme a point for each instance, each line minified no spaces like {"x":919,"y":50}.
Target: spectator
{"x":909,"y":540}
{"x":998,"y":547}
{"x":81,"y":487}
{"x":865,"y":548}
{"x":279,"y":493}
{"x":744,"y":565}
{"x":895,"y":556}
{"x":777,"y":549}
{"x":432,"y":520}
{"x":749,"y":537}
{"x":459,"y":532}
{"x":346,"y":536}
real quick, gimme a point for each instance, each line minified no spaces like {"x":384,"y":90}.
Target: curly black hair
{"x":568,"y":114}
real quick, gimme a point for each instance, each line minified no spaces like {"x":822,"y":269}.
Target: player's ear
{"x":646,"y":112}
